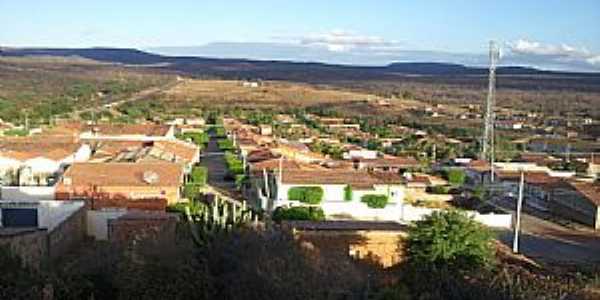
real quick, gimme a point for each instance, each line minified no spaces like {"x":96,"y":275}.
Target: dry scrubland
{"x":269,"y":93}
{"x":45,"y":86}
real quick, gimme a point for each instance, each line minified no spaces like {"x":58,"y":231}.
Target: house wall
{"x":336,"y":192}
{"x":170,"y":193}
{"x":571,"y":205}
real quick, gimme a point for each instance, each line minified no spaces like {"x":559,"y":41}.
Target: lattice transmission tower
{"x":487,"y":142}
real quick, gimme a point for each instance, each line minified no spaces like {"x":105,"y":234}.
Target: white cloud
{"x":344,"y":41}
{"x":557,"y":53}
{"x":594,"y":60}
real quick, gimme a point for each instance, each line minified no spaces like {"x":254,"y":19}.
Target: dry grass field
{"x":229,"y":92}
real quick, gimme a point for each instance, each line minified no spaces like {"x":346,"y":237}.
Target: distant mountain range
{"x":281,"y":70}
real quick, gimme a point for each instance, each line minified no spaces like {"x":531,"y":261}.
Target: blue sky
{"x":567,"y":32}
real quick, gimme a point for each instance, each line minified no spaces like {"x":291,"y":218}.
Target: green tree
{"x":456,"y":177}
{"x":450,"y":240}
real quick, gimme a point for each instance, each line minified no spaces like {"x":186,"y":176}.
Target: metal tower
{"x":487,"y":143}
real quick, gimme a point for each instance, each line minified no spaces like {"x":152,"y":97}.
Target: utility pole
{"x":518,"y":221}
{"x":487,"y":147}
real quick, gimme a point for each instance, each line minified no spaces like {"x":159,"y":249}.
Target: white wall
{"x":7,"y":164}
{"x":27,"y":193}
{"x":42,"y":165}
{"x":336,"y":192}
{"x":50,"y":213}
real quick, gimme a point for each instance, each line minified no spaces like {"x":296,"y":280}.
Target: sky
{"x":555,"y":34}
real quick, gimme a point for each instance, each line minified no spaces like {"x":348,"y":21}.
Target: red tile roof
{"x":357,"y":179}
{"x":123,"y":174}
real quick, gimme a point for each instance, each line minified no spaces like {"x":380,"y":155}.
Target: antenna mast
{"x":487,"y":149}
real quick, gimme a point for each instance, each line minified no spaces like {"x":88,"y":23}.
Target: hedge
{"x":225,"y":145}
{"x":198,"y":138}
{"x":375,"y":201}
{"x":298,"y":213}
{"x":199,"y":175}
{"x":191,"y":191}
{"x":234,"y":165}
{"x":306,"y":194}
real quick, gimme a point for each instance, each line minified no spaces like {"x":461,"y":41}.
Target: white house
{"x":343,"y":191}
{"x":28,"y":162}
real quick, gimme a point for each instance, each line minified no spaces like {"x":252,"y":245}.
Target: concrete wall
{"x":27,"y":193}
{"x":50,"y":213}
{"x":40,"y":246}
{"x":29,"y":244}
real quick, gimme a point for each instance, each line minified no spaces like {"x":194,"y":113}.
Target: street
{"x":549,"y":241}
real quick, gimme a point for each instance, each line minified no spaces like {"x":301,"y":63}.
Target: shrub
{"x":456,"y":176}
{"x":375,"y":201}
{"x":438,"y":189}
{"x":234,"y":165}
{"x":348,"y":193}
{"x":199,"y":175}
{"x":449,"y":240}
{"x":299,"y":213}
{"x":306,"y":194}
{"x":191,"y":191}
{"x":198,"y":138}
{"x":225,"y":145}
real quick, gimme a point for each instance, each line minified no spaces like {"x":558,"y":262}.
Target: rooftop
{"x":123,"y":174}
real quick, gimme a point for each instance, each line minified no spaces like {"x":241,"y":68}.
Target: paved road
{"x":217,"y":169}
{"x":548,"y":241}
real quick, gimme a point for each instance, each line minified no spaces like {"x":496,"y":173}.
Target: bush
{"x":225,"y":145}
{"x":191,"y":191}
{"x":198,"y":138}
{"x":456,"y":176}
{"x":298,"y":213}
{"x":234,"y":165}
{"x":375,"y":201}
{"x":449,"y":240}
{"x":348,"y":193}
{"x":306,"y":194}
{"x":438,"y":189}
{"x":199,"y":175}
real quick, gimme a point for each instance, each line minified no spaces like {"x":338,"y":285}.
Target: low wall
{"x":29,"y":244}
{"x":413,"y":213}
{"x":137,"y":226}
